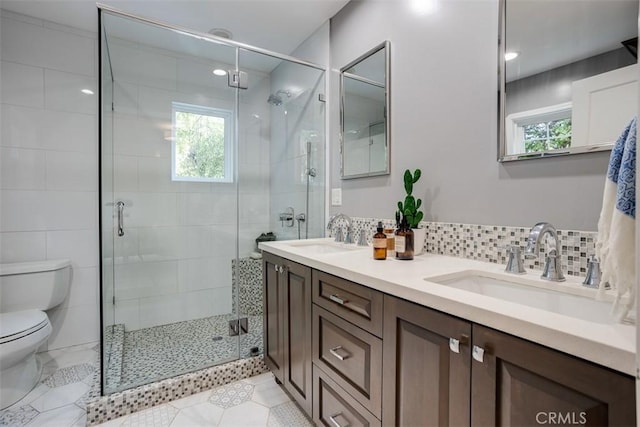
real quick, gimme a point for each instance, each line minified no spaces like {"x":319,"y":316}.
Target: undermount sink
{"x":526,"y":291}
{"x":321,"y":247}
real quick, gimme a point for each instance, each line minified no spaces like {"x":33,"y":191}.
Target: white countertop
{"x":607,"y":344}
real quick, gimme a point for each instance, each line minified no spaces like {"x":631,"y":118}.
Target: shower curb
{"x":123,"y":403}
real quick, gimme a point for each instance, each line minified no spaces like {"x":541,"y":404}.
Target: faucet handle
{"x":514,"y":263}
{"x":339,"y":236}
{"x":593,"y":273}
{"x":348,"y":238}
{"x":552,"y":267}
{"x":362,"y":240}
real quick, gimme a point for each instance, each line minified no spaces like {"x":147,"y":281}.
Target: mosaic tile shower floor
{"x":165,"y":351}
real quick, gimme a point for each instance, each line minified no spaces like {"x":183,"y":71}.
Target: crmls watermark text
{"x":561,"y":418}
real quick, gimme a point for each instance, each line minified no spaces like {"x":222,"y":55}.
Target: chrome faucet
{"x":339,"y":236}
{"x":552,"y":264}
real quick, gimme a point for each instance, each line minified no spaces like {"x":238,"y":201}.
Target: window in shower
{"x":201,"y":147}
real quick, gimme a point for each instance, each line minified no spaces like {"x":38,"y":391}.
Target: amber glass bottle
{"x":404,"y":241}
{"x":379,"y":243}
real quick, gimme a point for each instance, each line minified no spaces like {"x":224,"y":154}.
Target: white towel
{"x":615,"y":247}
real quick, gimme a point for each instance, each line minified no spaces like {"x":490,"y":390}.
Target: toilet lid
{"x":17,"y":324}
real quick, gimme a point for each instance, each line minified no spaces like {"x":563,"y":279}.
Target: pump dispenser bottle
{"x":404,"y":241}
{"x":380,"y":243}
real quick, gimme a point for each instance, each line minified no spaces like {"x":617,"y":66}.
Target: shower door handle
{"x":120,"y":206}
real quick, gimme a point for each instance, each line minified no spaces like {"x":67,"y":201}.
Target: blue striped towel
{"x":615,"y":246}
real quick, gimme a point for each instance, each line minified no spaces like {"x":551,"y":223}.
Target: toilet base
{"x":19,"y":380}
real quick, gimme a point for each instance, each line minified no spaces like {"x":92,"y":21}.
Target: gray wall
{"x":444,"y":120}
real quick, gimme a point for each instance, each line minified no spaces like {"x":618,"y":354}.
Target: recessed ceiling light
{"x":219,"y":72}
{"x":511,"y":55}
{"x":87,"y":91}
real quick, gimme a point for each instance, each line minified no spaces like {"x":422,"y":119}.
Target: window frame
{"x":229,"y":121}
{"x":515,"y":125}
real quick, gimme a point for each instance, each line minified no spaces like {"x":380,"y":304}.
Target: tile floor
{"x":256,"y":401}
{"x":71,"y":377}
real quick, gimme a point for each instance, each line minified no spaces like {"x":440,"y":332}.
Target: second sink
{"x":528,"y":292}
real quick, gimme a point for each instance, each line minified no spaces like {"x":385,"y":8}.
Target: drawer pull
{"x":336,"y":298}
{"x":332,"y":418}
{"x":478,"y":353}
{"x":454,"y":345}
{"x":334,"y":352}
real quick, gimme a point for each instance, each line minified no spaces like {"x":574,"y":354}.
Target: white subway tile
{"x":154,"y":174}
{"x":125,"y":98}
{"x":160,"y":310}
{"x":22,"y":84}
{"x":72,"y":171}
{"x":74,"y":325}
{"x":204,"y":273}
{"x":22,"y":210}
{"x":63,"y":92}
{"x":222,"y":300}
{"x":161,"y":242}
{"x":67,"y":131}
{"x":125,"y":173}
{"x":150,"y":209}
{"x":22,"y":169}
{"x":156,"y":103}
{"x":71,"y":210}
{"x":47,"y":47}
{"x":23,"y":246}
{"x":21,"y":127}
{"x":127,"y":313}
{"x":84,"y":287}
{"x":80,"y":246}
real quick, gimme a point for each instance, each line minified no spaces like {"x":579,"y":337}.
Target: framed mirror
{"x":568,"y":76}
{"x":364,"y":114}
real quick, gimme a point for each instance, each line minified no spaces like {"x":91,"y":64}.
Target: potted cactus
{"x":410,"y":209}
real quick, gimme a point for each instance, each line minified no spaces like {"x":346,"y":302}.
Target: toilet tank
{"x":37,"y":285}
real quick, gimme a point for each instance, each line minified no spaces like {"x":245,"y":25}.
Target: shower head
{"x":276,"y":99}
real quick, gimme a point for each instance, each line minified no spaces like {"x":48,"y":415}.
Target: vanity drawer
{"x":349,"y":356}
{"x":358,"y":304}
{"x":333,"y":407}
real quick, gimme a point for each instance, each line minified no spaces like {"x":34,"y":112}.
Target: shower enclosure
{"x":204,"y":143}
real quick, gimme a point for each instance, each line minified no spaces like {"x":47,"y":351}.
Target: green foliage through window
{"x":201,"y":143}
{"x":545,"y":136}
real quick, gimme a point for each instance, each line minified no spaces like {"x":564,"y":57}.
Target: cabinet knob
{"x":478,"y":353}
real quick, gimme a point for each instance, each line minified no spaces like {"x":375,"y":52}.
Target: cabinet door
{"x":273,"y":317}
{"x":519,"y":383}
{"x":426,"y":377}
{"x":297,"y":333}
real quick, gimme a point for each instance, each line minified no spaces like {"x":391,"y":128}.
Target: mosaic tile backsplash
{"x":489,"y":242}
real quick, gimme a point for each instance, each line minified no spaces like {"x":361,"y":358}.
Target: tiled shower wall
{"x":173,"y":263}
{"x":48,"y":162}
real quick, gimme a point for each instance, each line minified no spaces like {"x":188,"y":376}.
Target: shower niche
{"x":192,"y":169}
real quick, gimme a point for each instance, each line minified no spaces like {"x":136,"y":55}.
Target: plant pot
{"x":419,"y":238}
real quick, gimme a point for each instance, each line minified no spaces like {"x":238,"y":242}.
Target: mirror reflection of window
{"x":570,"y":75}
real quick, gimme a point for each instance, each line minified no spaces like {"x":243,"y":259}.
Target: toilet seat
{"x":19,"y":324}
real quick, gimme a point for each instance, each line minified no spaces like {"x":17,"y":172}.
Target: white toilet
{"x":26,"y":289}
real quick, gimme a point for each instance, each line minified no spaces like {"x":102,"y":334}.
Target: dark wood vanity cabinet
{"x":287,"y":326}
{"x":519,"y":383}
{"x":489,"y":378}
{"x":426,"y":377}
{"x":351,"y":355}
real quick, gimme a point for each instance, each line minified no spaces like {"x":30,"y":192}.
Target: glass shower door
{"x":169,"y":203}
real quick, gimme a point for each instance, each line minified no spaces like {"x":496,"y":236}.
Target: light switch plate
{"x":336,"y":197}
